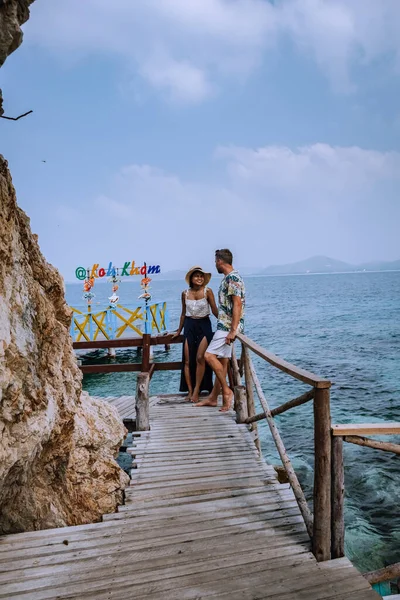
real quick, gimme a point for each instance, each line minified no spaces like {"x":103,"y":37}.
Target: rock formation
{"x":13,"y":13}
{"x":57,"y":445}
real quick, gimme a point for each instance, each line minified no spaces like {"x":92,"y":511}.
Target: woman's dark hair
{"x":225,"y":255}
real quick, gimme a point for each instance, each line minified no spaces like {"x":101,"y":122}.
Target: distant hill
{"x":316,"y":264}
{"x":324,"y":264}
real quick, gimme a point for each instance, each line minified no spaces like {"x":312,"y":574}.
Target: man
{"x":231,"y":301}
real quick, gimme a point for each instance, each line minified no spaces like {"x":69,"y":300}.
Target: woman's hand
{"x":176,"y":334}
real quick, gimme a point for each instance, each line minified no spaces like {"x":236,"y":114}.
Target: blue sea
{"x":343,"y":327}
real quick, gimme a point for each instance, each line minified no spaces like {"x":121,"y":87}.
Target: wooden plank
{"x":109,"y":539}
{"x":89,"y":557}
{"x":217,"y":465}
{"x":133,"y":542}
{"x":168,"y":366}
{"x":111,"y":368}
{"x":222,"y":481}
{"x":275,"y":582}
{"x":207,"y":585}
{"x":252,"y":581}
{"x":367,"y":442}
{"x":366,"y":429}
{"x":100,"y":578}
{"x":231,"y":496}
{"x":227,"y":545}
{"x":118,"y":343}
{"x":139,"y":478}
{"x":283,"y":365}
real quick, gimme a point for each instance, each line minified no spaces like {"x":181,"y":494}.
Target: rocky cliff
{"x":13,"y":13}
{"x":57,"y":445}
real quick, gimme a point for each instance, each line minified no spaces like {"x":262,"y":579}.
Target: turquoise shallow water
{"x":343,"y":327}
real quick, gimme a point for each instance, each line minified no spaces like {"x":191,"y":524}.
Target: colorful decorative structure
{"x":116,"y":320}
{"x":114,"y":298}
{"x":128,"y":270}
{"x":87,"y":286}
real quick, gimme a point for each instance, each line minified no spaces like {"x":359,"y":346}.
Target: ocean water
{"x":343,"y":327}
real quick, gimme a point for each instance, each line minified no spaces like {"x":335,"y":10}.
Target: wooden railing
{"x":319,"y":524}
{"x":354,"y":434}
{"x":326,"y":525}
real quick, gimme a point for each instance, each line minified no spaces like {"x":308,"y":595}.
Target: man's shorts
{"x":218,"y":347}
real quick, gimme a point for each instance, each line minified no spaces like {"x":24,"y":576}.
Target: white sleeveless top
{"x":197,"y":309}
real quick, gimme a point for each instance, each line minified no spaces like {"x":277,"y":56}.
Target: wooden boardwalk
{"x":125,"y":405}
{"x":204,"y":518}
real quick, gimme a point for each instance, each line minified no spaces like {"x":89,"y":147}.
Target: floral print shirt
{"x":231,"y":285}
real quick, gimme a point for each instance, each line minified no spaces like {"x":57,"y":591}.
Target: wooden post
{"x":322,"y":475}
{"x":230,"y":376}
{"x":337,"y":498}
{"x":142,"y":402}
{"x":251,"y":411}
{"x":235,"y":369}
{"x":294,"y":482}
{"x":146,"y":353}
{"x":240,"y":403}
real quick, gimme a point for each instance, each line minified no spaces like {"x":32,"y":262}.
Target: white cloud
{"x":187,"y":49}
{"x":182,"y":81}
{"x":341,"y":34}
{"x":320,"y":170}
{"x":274,"y":204}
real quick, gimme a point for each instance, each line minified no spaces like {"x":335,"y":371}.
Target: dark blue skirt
{"x":195,"y":330}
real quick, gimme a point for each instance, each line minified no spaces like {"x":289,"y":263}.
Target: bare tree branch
{"x":16,"y":118}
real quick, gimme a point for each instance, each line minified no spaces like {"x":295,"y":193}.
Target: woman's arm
{"x":211,"y":302}
{"x":182,"y":319}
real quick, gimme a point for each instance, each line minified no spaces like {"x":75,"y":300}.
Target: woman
{"x":196,"y":376}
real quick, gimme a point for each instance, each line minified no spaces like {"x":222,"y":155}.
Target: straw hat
{"x":207,"y":276}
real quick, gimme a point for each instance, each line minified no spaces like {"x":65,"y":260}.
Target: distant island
{"x":315,"y":264}
{"x":324,"y":264}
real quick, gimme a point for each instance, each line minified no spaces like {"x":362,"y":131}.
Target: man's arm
{"x":236,"y":313}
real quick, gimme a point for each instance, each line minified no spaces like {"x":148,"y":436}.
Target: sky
{"x":170,"y":128}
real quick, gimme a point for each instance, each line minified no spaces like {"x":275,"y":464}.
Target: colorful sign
{"x":129,"y":269}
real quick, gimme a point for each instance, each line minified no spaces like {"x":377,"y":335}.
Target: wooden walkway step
{"x":205,"y":517}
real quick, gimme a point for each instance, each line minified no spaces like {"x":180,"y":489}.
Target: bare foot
{"x":195,"y":397}
{"x":188,"y":398}
{"x":226,"y":402}
{"x":209,"y":401}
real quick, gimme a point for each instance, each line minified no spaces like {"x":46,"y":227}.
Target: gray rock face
{"x":57,"y":445}
{"x":13,"y":13}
